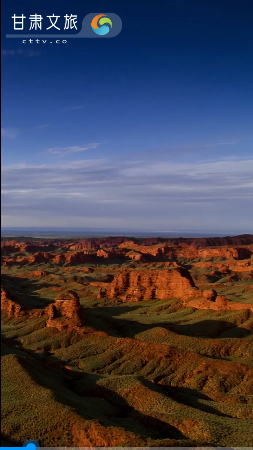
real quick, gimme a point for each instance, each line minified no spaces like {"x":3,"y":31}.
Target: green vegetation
{"x":147,"y":373}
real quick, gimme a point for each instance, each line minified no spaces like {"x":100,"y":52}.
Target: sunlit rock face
{"x":65,"y":312}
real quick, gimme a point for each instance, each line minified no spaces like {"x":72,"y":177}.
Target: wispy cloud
{"x":228,"y":142}
{"x":25,"y":53}
{"x":73,"y":108}
{"x":212,"y":148}
{"x":211,"y":195}
{"x":74,"y":149}
{"x":40,"y":127}
{"x":11,"y":52}
{"x":9,"y":133}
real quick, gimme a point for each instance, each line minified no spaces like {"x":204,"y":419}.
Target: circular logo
{"x":98,"y":24}
{"x":31,"y":444}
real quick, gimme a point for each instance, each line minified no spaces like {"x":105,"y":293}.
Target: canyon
{"x":127,"y":341}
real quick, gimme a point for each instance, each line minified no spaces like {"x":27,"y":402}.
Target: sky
{"x":149,"y":130}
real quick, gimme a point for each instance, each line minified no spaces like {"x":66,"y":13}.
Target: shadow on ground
{"x":24,"y":291}
{"x":107,"y":320}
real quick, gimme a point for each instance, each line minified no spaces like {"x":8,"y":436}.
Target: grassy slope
{"x":146,"y":373}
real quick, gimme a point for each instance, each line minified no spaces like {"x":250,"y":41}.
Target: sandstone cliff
{"x":9,"y":306}
{"x":133,"y":285}
{"x":65,"y":312}
{"x":174,"y":283}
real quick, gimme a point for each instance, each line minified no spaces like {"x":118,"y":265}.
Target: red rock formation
{"x":8,"y":262}
{"x":188,"y":251}
{"x":108,"y":254}
{"x":191,"y":252}
{"x":8,"y":246}
{"x":72,"y":258}
{"x":156,"y":250}
{"x":37,"y":258}
{"x":164,"y":284}
{"x":77,"y":258}
{"x":58,"y":259}
{"x":26,"y":247}
{"x":103,"y":254}
{"x":220,"y":303}
{"x":8,"y":306}
{"x":136,"y":256}
{"x":89,"y":245}
{"x":128,"y":244}
{"x":38,"y":273}
{"x":101,"y":293}
{"x":65,"y":312}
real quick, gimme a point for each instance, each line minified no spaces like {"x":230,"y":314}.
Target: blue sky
{"x":151,"y":129}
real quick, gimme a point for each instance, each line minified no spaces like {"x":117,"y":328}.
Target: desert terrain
{"x":127,"y":341}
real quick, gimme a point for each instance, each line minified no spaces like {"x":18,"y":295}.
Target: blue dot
{"x":31,"y":446}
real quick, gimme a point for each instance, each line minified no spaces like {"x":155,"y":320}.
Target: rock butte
{"x":65,"y":312}
{"x":133,"y":285}
{"x":176,"y":283}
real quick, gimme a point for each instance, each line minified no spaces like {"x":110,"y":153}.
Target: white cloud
{"x":11,"y":52}
{"x":9,"y":133}
{"x":45,"y":125}
{"x":74,"y":149}
{"x":228,"y":142}
{"x":112,"y":192}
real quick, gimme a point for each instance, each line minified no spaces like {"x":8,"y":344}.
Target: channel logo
{"x":98,"y":24}
{"x":31,"y":444}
